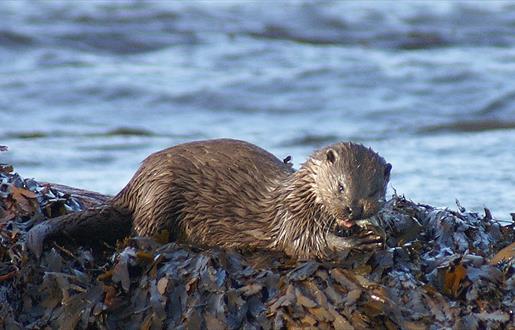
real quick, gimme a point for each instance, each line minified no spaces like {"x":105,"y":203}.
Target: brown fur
{"x":233,"y":194}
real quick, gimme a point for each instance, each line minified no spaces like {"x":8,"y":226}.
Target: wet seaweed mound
{"x":441,"y":268}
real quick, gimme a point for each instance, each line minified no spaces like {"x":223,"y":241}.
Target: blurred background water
{"x":89,"y":89}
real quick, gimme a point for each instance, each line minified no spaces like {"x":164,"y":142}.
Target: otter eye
{"x":341,"y":188}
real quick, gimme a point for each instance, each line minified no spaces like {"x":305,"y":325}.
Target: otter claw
{"x":370,"y":237}
{"x":369,"y":246}
{"x":368,"y":241}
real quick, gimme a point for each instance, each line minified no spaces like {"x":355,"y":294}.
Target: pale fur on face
{"x":315,"y":201}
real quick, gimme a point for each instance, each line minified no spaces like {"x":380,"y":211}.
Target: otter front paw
{"x":367,"y":240}
{"x":364,"y":240}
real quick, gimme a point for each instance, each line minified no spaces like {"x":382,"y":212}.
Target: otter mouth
{"x":344,"y":227}
{"x":345,"y":223}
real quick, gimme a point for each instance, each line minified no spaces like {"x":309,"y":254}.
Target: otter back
{"x":208,"y":192}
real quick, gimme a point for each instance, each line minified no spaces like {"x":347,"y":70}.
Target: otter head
{"x":350,"y":182}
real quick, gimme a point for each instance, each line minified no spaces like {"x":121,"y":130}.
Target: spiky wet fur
{"x":232,"y":194}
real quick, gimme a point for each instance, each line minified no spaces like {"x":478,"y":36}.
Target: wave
{"x":135,"y":27}
{"x":13,"y":39}
{"x":505,"y":101}
{"x":479,"y":125}
{"x":119,"y":131}
{"x":311,"y":140}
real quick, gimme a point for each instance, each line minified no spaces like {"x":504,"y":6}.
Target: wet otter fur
{"x":233,"y":194}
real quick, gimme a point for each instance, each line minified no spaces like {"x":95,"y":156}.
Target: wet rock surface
{"x":440,"y":268}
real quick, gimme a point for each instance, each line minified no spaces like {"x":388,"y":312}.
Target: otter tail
{"x":106,"y":223}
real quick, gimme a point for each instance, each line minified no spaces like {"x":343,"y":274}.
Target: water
{"x":87,"y":90}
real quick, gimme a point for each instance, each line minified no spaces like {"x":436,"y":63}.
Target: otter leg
{"x":100,"y":224}
{"x":365,"y":241}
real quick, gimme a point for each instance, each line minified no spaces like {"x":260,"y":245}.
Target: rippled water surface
{"x":87,"y":90}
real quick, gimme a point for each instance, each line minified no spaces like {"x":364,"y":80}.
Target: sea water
{"x":89,"y":89}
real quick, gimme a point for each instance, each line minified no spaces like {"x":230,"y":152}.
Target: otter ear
{"x":331,"y":156}
{"x":387,"y":170}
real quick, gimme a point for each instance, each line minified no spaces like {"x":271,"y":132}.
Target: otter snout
{"x":362,"y":209}
{"x":349,"y":215}
{"x":355,"y":211}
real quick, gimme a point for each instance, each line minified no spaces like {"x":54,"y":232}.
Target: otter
{"x":233,"y":194}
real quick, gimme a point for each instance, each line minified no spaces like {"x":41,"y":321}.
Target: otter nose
{"x":355,"y":212}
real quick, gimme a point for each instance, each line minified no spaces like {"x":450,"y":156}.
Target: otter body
{"x":233,"y":194}
{"x":213,"y":193}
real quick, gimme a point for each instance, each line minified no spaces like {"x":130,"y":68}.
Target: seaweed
{"x":440,"y":268}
